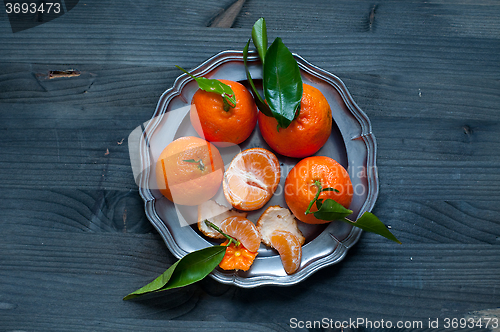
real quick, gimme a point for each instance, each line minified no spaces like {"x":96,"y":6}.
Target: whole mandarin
{"x":189,"y":171}
{"x":300,"y":188}
{"x":307,"y":133}
{"x":212,"y":122}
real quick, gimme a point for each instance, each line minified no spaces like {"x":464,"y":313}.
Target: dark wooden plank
{"x":57,"y":323}
{"x":63,"y":273}
{"x":459,"y":18}
{"x":66,"y":145}
{"x":227,"y":17}
{"x":464,"y":18}
{"x":436,"y":221}
{"x":186,"y":13}
{"x":102,"y":85}
{"x":59,"y":209}
{"x":353,"y":52}
{"x":438,"y":159}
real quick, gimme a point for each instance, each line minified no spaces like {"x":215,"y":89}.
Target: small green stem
{"x":200,"y":163}
{"x":231,"y":239}
{"x":317,"y":183}
{"x":227,"y":107}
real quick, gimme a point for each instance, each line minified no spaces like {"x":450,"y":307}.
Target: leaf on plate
{"x":328,"y":209}
{"x":282,"y":83}
{"x":189,"y":269}
{"x":213,"y":85}
{"x":370,"y":223}
{"x":259,"y":37}
{"x":261,"y":104}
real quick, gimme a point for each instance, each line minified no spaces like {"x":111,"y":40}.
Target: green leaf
{"x":370,"y":223}
{"x":213,"y":85}
{"x":319,"y":202}
{"x":282,"y":83}
{"x":259,"y":37}
{"x":331,"y":210}
{"x":330,"y":189}
{"x":256,"y":95}
{"x":189,"y":269}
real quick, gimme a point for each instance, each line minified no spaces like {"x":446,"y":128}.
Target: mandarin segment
{"x":289,"y":248}
{"x":300,"y":186}
{"x":243,"y":230}
{"x":212,"y":122}
{"x":251,"y":179}
{"x":189,"y":171}
{"x":307,"y":133}
{"x":277,"y":218}
{"x":216,"y":214}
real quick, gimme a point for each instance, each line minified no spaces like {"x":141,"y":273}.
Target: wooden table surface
{"x":74,"y":237}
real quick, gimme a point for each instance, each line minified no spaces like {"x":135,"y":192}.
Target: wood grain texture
{"x":74,"y":237}
{"x":382,"y":17}
{"x":353,"y":52}
{"x":426,"y":280}
{"x":227,"y":17}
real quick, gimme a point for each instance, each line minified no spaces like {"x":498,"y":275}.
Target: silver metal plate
{"x":351,"y":143}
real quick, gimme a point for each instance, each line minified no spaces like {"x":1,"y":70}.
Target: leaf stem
{"x":226,"y":105}
{"x":230,"y":238}
{"x":200,"y":163}
{"x":317,"y":183}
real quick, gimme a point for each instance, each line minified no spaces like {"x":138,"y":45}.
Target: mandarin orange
{"x":243,"y":230}
{"x":212,"y":122}
{"x":189,"y":171}
{"x":307,"y":133}
{"x":300,"y":186}
{"x":251,"y":179}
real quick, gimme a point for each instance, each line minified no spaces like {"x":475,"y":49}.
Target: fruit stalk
{"x":230,"y":238}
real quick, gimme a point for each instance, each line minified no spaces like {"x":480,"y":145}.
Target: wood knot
{"x":467,"y":130}
{"x":371,"y":18}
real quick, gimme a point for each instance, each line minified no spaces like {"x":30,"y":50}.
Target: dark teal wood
{"x":74,"y":238}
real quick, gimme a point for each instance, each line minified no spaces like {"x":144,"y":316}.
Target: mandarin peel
{"x":237,"y":257}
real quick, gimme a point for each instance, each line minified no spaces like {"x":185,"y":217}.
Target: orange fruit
{"x":251,"y":179}
{"x":189,"y":171}
{"x":212,"y":122}
{"x":300,"y":186}
{"x":243,"y":230}
{"x":289,"y":248}
{"x":307,"y":133}
{"x":237,"y":258}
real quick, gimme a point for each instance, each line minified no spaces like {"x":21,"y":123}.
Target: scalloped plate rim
{"x":342,"y":247}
